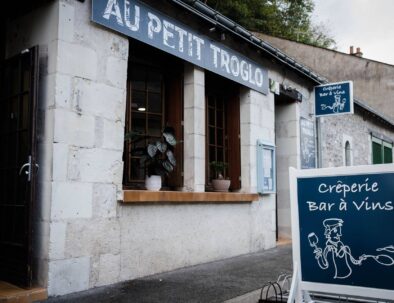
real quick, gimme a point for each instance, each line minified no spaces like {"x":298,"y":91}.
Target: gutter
{"x":222,"y":22}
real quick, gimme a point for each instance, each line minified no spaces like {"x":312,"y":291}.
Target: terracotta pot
{"x":220,"y":184}
{"x":153,"y":183}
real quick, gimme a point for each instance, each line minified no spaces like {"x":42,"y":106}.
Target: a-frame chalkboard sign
{"x":343,"y":231}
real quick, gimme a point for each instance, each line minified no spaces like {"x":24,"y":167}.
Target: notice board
{"x":307,"y":143}
{"x":343,"y":229}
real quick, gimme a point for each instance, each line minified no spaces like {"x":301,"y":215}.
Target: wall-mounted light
{"x":212,"y":29}
{"x":141,"y":109}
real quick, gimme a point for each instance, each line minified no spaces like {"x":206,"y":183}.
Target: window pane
{"x":211,"y":135}
{"x":154,"y":125}
{"x":138,"y":123}
{"x":219,"y":104}
{"x":154,"y":82}
{"x":219,"y":119}
{"x":220,"y":155}
{"x":388,"y":154}
{"x":24,"y":112}
{"x":212,"y":154}
{"x":211,"y":101}
{"x":376,"y":153}
{"x":138,"y":100}
{"x":211,"y":116}
{"x":154,"y":103}
{"x":26,"y":80}
{"x":138,"y":79}
{"x":220,"y":137}
{"x":137,"y":171}
{"x":347,"y":153}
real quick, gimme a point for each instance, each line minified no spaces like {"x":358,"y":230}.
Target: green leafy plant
{"x":160,"y":154}
{"x":219,"y":168}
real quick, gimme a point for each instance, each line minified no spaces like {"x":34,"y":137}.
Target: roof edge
{"x":209,"y":14}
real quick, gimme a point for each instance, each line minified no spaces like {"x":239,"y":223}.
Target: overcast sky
{"x":368,"y":24}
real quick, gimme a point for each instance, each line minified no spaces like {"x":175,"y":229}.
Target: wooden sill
{"x":140,"y":196}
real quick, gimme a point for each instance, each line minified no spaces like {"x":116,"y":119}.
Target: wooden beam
{"x":140,"y":196}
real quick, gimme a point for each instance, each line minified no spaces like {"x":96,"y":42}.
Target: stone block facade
{"x":86,"y":237}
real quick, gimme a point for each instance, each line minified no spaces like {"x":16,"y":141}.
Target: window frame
{"x":229,"y":92}
{"x":261,"y":169}
{"x":383,"y":144}
{"x":172,"y":79}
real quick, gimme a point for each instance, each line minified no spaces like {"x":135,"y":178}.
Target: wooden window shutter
{"x":233,"y":137}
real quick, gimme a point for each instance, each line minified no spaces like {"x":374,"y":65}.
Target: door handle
{"x":28,"y":171}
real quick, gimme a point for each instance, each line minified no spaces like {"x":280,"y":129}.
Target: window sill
{"x":142,"y":196}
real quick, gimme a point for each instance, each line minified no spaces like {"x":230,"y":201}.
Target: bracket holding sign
{"x":342,"y":230}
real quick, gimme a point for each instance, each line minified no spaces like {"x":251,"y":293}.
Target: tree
{"x":290,"y":19}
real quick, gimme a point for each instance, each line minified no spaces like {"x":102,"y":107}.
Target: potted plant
{"x":220,"y":183}
{"x":160,"y":159}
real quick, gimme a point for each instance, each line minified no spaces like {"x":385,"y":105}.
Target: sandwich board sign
{"x":334,"y":99}
{"x":343,"y":230}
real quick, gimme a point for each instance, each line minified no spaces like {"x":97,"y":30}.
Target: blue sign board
{"x":139,"y":21}
{"x":334,"y":99}
{"x":345,"y":230}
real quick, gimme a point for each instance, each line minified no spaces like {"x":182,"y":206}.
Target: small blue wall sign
{"x":334,"y":99}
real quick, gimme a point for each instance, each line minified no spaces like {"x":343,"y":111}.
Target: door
{"x":18,"y":167}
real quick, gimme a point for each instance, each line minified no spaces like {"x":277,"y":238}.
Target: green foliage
{"x":290,"y":19}
{"x":161,"y":160}
{"x":219,"y":168}
{"x":158,"y":155}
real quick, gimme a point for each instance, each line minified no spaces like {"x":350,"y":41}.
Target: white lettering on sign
{"x":135,"y":26}
{"x":150,"y":26}
{"x":154,"y":25}
{"x":168,"y":34}
{"x":113,"y":9}
{"x":344,"y":189}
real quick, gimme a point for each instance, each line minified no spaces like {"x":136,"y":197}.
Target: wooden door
{"x":18,"y":166}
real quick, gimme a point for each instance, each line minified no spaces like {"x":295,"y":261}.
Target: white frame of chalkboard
{"x":351,"y":97}
{"x":356,"y":291}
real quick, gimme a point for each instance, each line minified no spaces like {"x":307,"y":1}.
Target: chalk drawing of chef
{"x":335,"y":253}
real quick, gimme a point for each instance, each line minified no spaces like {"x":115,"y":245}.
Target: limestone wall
{"x":356,"y":129}
{"x":87,"y":237}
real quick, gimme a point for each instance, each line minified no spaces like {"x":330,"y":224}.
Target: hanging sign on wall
{"x":334,"y":99}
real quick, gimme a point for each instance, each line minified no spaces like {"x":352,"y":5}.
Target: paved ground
{"x":212,"y":282}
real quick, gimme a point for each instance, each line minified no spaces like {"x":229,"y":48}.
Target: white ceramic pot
{"x":153,"y":183}
{"x":220,"y":184}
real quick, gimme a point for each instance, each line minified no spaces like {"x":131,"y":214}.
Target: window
{"x":223,"y":128}
{"x":348,"y":155}
{"x":150,"y":88}
{"x":382,"y":151}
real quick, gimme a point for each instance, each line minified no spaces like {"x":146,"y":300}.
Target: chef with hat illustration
{"x":335,"y":253}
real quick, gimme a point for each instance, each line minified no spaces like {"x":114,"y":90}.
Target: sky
{"x":368,"y":24}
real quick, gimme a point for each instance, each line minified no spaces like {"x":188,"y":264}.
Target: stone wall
{"x":356,"y":129}
{"x":88,"y":238}
{"x":89,"y":113}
